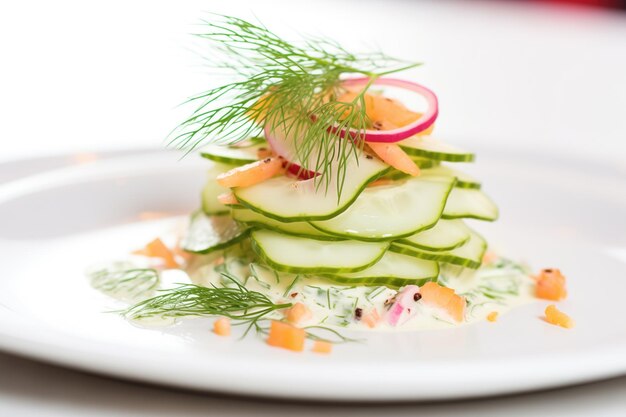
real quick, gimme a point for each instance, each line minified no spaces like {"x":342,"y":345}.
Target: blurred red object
{"x":596,"y":3}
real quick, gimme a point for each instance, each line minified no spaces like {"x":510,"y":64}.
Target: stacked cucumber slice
{"x":395,"y":231}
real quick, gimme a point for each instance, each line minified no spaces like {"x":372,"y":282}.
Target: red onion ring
{"x":282,"y":148}
{"x":395,"y":135}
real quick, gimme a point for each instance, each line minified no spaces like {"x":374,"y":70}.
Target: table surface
{"x":29,"y":388}
{"x":78,"y":77}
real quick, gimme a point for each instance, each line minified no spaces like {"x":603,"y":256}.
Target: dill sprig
{"x":283,"y":85}
{"x":124,"y":282}
{"x":235,"y":302}
{"x":244,"y":306}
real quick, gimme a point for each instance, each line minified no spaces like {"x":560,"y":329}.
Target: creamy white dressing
{"x":496,"y":287}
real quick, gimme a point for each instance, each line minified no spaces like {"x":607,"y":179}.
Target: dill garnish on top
{"x":292,"y":86}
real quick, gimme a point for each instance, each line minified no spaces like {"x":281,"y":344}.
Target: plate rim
{"x":604,"y":363}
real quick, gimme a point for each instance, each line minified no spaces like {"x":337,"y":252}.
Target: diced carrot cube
{"x":493,"y":316}
{"x":320,"y":346}
{"x":221,"y":326}
{"x":551,"y":285}
{"x":297,"y":313}
{"x":252,"y":173}
{"x":157,"y":249}
{"x":558,"y":318}
{"x":286,"y":336}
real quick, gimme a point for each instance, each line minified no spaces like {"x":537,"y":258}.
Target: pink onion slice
{"x":405,"y":300}
{"x":395,"y":135}
{"x":280,"y":144}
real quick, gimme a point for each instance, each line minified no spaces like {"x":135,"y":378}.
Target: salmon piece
{"x":297,"y":313}
{"x":392,"y":111}
{"x":456,"y":307}
{"x":286,"y":336}
{"x":250,"y":174}
{"x":323,"y":347}
{"x":227,"y":199}
{"x":350,"y":95}
{"x":550,"y":285}
{"x":558,"y":318}
{"x":221,"y":326}
{"x":393,"y":155}
{"x":384,"y":112}
{"x":436,"y":295}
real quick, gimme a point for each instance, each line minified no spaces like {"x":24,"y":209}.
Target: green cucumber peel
{"x":207,"y":234}
{"x":297,"y":255}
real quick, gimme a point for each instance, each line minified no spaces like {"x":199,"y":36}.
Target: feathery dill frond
{"x":282,"y":85}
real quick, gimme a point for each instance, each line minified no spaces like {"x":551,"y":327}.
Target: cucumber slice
{"x":424,"y":163}
{"x":469,"y":255}
{"x":233,"y":155}
{"x":428,"y":147}
{"x":463,"y":180}
{"x":391,"y":211}
{"x":301,"y":255}
{"x":446,"y":235}
{"x":302,"y":229}
{"x":288,"y":200}
{"x":393,"y":270}
{"x":206,"y":234}
{"x":468,"y":203}
{"x":212,"y":189}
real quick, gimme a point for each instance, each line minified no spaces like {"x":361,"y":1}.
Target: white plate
{"x":81,"y":210}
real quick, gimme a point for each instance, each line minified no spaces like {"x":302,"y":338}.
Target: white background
{"x":84,"y":76}
{"x":99,"y":75}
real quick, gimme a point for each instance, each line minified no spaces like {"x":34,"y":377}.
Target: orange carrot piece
{"x":320,"y":346}
{"x":286,"y":336}
{"x":558,"y":318}
{"x":297,"y":313}
{"x":221,"y":326}
{"x":227,"y":199}
{"x":551,"y":285}
{"x":393,"y":155}
{"x":442,"y":297}
{"x":371,"y":319}
{"x":157,"y":249}
{"x":493,"y":316}
{"x":251,"y":174}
